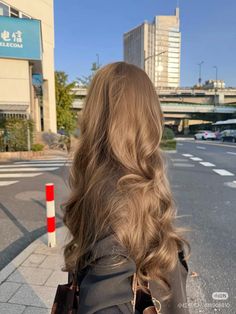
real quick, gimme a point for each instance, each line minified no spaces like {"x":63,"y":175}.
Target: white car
{"x":205,"y":135}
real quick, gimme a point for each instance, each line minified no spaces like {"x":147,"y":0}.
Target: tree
{"x":85,"y":81}
{"x":66,"y":118}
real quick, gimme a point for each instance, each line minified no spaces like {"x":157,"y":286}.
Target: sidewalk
{"x":28,"y":284}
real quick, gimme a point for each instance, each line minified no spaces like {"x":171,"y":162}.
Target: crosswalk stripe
{"x":201,"y":147}
{"x":223,"y":172}
{"x":196,"y":158}
{"x":29,"y":169}
{"x":19,"y":175}
{"x":183,"y":165}
{"x":187,"y":155}
{"x":231,"y":153}
{"x":207,"y":164}
{"x":35,"y":165}
{"x":41,"y":162}
{"x":5,"y":183}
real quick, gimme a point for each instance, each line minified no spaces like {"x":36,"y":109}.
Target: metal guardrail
{"x":192,"y":108}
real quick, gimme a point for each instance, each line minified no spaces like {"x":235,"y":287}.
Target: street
{"x":22,"y":201}
{"x":203,"y":179}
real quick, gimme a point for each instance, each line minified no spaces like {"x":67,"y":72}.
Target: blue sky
{"x":85,"y":28}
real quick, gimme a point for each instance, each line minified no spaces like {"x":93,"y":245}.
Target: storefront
{"x":27,"y":88}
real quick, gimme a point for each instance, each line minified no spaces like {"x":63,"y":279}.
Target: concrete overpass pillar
{"x":186,"y":126}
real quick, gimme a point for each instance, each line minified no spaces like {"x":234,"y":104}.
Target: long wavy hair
{"x":118,"y":178}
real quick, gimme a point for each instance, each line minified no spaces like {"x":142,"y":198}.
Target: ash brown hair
{"x":118,"y":178}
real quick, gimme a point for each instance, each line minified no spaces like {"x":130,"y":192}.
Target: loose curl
{"x":118,"y":177}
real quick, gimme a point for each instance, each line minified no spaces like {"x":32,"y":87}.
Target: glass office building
{"x":156,"y":47}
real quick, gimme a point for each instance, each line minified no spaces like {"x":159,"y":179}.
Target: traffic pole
{"x":51,"y":221}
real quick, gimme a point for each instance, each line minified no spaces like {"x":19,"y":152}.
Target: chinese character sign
{"x":20,"y":38}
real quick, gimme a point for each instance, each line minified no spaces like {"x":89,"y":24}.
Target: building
{"x":214,"y":84}
{"x":156,"y":48}
{"x":27,"y":86}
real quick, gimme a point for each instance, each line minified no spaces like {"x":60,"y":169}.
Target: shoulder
{"x":108,"y":278}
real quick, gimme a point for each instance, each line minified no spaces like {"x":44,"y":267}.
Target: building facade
{"x":27,"y":87}
{"x":156,"y":48}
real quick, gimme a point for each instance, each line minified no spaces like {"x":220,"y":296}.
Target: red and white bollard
{"x":51,"y":221}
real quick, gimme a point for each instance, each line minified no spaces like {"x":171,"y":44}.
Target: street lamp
{"x":200,"y":73}
{"x":151,"y":56}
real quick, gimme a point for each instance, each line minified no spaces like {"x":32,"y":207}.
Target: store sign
{"x":20,"y":38}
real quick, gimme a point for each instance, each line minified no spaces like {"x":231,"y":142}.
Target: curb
{"x":184,"y":138}
{"x":20,"y":258}
{"x":170,"y":151}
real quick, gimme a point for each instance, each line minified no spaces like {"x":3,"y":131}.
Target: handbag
{"x":66,"y":300}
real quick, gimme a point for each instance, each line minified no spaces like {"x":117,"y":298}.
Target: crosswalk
{"x":12,"y":173}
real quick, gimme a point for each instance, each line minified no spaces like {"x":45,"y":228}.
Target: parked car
{"x":228,"y":135}
{"x":205,"y":135}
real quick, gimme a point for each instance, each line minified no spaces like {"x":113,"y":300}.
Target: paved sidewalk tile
{"x":7,"y":290}
{"x":34,"y":259}
{"x":36,"y":310}
{"x":29,"y":282}
{"x":53,"y":279}
{"x":52,"y":262}
{"x":30,"y":275}
{"x":33,"y":295}
{"x":6,"y":308}
{"x":43,"y":249}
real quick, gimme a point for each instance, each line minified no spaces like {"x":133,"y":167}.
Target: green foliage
{"x":85,"y":81}
{"x":168,"y":134}
{"x":168,"y":145}
{"x":66,"y":118}
{"x":14,"y":134}
{"x":37,"y":147}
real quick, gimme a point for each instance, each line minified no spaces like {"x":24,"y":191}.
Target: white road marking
{"x":5,"y":183}
{"x":201,"y":147}
{"x":223,"y":172}
{"x":207,"y":164}
{"x":196,"y":158}
{"x":42,"y":162}
{"x":231,"y":184}
{"x":35,"y":165}
{"x":183,"y":165}
{"x":29,"y":169}
{"x":187,"y":155}
{"x":180,"y":144}
{"x":231,"y":153}
{"x":179,"y":159}
{"x":19,"y":175}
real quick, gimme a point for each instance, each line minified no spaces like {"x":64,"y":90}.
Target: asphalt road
{"x":203,"y":179}
{"x":22,"y":201}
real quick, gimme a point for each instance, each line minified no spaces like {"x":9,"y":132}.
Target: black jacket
{"x":105,"y":289}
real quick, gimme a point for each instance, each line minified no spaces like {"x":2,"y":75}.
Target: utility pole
{"x":98,"y":61}
{"x":200,"y":73}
